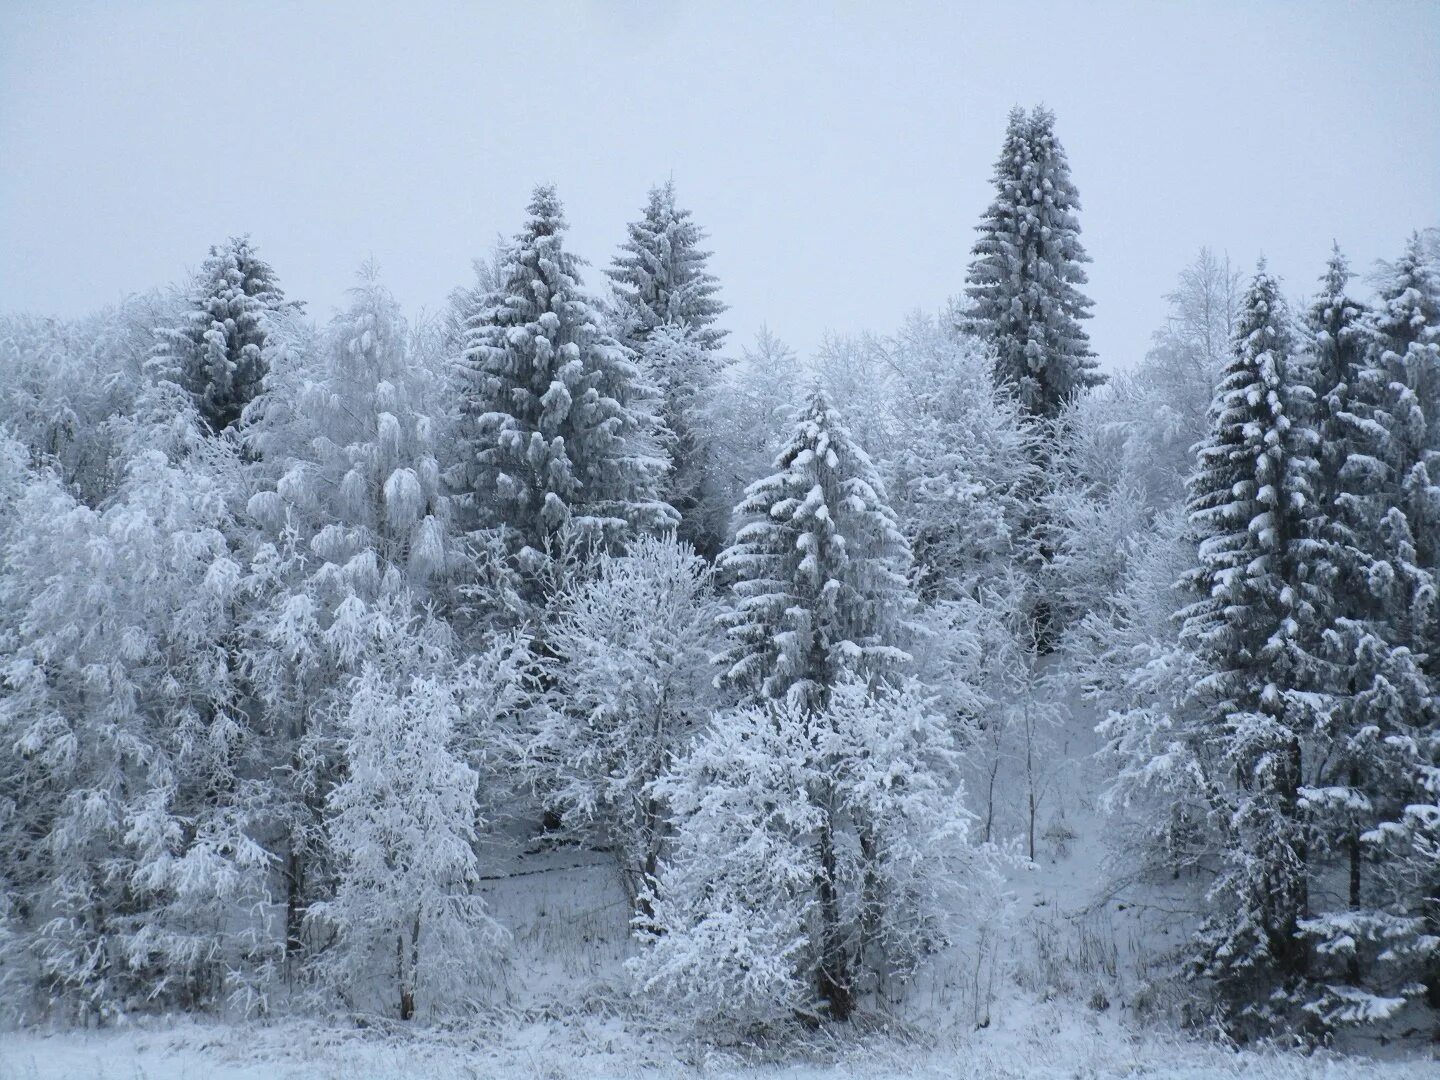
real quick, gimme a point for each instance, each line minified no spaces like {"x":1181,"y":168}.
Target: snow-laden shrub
{"x":818,"y":851}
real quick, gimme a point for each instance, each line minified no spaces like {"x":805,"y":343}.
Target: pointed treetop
{"x":1409,"y":302}
{"x":661,"y":273}
{"x":216,"y":352}
{"x":1023,"y":284}
{"x":557,"y":428}
{"x":1337,"y":271}
{"x":1264,"y":323}
{"x":818,"y":569}
{"x":547,"y":213}
{"x":1331,"y":319}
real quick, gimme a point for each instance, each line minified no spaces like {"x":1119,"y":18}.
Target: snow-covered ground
{"x":1046,"y":1042}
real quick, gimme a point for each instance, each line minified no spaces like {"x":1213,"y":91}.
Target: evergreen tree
{"x":1404,"y":349}
{"x":1335,"y":324}
{"x":668,"y":307}
{"x":557,"y":425}
{"x":1398,"y":471}
{"x":821,"y":597}
{"x":217,"y":351}
{"x":1024,"y":282}
{"x":1252,"y":504}
{"x":818,"y":570}
{"x":662,"y":277}
{"x":1362,"y":963}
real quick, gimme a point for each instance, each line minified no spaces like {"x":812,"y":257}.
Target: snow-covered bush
{"x":630,"y":684}
{"x":401,"y":827}
{"x":126,"y":753}
{"x":819,"y":853}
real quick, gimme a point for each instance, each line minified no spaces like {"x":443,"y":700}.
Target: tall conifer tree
{"x":1252,"y":504}
{"x":558,"y":429}
{"x":1361,"y":965}
{"x":1401,"y":377}
{"x":1024,"y":284}
{"x":217,"y":353}
{"x":661,"y":273}
{"x":668,"y":308}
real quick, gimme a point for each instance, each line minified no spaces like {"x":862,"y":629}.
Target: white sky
{"x":838,"y":154}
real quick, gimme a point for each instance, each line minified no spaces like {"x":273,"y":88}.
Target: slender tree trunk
{"x":1353,"y":968}
{"x":651,"y":869}
{"x":1032,"y":802}
{"x":294,"y":899}
{"x":407,"y":992}
{"x":990,"y":792}
{"x":833,"y":981}
{"x":1290,"y":947}
{"x":408,"y":960}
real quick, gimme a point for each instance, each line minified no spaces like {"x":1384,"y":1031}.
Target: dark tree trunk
{"x":651,"y":870}
{"x":832,"y":979}
{"x":1353,"y":968}
{"x":294,"y":900}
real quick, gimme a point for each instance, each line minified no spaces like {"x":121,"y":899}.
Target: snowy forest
{"x":555,"y":652}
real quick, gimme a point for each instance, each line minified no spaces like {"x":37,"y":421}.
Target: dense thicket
{"x":309,"y":633}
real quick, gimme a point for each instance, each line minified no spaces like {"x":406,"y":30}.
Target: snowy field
{"x":1044,"y":1043}
{"x":557,"y":1008}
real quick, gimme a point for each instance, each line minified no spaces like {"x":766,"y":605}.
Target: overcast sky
{"x":838,"y":154}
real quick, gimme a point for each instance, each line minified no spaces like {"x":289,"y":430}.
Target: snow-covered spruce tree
{"x":687,"y":375}
{"x":216,"y":352}
{"x":351,"y":513}
{"x":668,"y":306}
{"x":401,"y":824}
{"x":630,"y":685}
{"x":558,"y":430}
{"x":127,"y":761}
{"x":662,"y":277}
{"x":1252,"y":502}
{"x":818,"y":569}
{"x":821,"y":599}
{"x":1024,"y":283}
{"x":1362,"y":963}
{"x":821,"y":848}
{"x":1403,"y":377}
{"x":1417,"y":869}
{"x":1397,"y":399}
